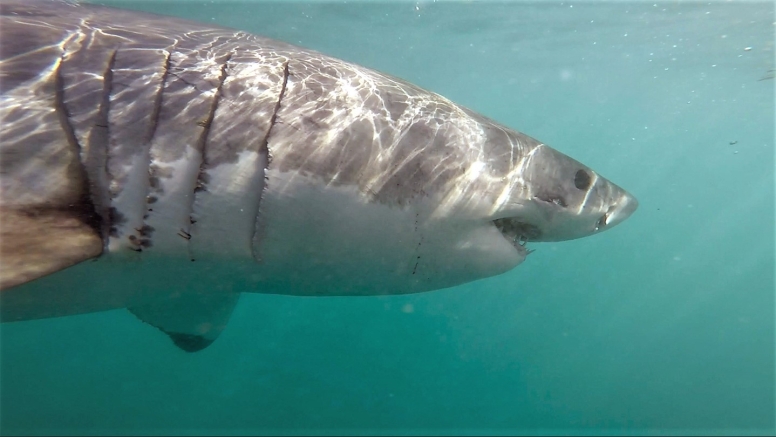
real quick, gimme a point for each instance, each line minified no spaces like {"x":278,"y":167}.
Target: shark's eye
{"x":582,"y":180}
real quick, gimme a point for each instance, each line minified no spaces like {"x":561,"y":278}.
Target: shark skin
{"x":166,"y":166}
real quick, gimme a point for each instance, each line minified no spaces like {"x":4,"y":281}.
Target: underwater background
{"x":664,"y":324}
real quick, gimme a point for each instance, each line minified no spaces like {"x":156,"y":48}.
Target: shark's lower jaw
{"x":517,"y":232}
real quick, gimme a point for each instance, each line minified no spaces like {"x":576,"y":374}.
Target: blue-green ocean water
{"x":664,"y":324}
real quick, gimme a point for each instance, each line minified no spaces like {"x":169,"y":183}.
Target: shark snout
{"x":625,"y":205}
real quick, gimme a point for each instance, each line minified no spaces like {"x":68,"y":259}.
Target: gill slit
{"x":264,"y":149}
{"x":84,"y":206}
{"x":144,"y":232}
{"x":201,"y":184}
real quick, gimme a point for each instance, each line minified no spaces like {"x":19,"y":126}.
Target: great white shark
{"x":165,"y":166}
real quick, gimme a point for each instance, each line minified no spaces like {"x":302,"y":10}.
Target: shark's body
{"x":165,"y":166}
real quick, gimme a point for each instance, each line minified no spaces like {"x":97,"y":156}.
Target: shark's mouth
{"x":517,"y":232}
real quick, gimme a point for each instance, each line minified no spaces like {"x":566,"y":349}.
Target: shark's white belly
{"x":311,"y":239}
{"x":317,"y":239}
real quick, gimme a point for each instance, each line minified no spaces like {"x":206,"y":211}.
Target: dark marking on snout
{"x":582,"y":179}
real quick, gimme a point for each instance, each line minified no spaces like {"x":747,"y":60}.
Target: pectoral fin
{"x":37,"y":243}
{"x":192,"y":321}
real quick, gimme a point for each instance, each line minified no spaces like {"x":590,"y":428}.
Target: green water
{"x":664,"y":324}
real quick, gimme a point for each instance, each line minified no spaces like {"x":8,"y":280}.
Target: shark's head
{"x":516,"y":191}
{"x":453,"y":212}
{"x":556,"y":198}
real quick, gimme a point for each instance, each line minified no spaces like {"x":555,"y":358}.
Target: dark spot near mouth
{"x":582,"y":180}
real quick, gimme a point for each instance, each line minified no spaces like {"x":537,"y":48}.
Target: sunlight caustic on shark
{"x":165,"y":166}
